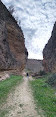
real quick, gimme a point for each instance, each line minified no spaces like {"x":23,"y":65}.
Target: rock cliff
{"x":34,"y":65}
{"x":13,"y":53}
{"x":49,"y":53}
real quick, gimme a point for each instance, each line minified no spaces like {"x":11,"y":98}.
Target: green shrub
{"x":52,"y":79}
{"x":41,"y":73}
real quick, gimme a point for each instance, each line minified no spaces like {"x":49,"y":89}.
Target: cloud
{"x":37,"y":20}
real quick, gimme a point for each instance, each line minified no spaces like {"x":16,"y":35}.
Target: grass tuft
{"x":52,"y":79}
{"x":7,"y":85}
{"x":44,"y":96}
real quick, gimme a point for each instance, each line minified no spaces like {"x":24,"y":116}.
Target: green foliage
{"x":41,"y":73}
{"x":52,"y":80}
{"x":3,"y":112}
{"x":44,"y":97}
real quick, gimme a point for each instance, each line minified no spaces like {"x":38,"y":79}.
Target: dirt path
{"x":20,"y":103}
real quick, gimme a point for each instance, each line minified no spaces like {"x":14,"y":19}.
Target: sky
{"x":37,"y":19}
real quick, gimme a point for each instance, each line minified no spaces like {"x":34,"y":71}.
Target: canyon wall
{"x":49,"y":53}
{"x":34,"y":65}
{"x":13,"y":54}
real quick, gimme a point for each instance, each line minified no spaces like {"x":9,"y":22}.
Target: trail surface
{"x":21,"y":103}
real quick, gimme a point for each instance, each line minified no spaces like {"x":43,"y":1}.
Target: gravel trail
{"x":20,"y":103}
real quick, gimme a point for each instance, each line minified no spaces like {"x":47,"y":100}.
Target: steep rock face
{"x":49,"y":53}
{"x":34,"y":65}
{"x":13,"y":53}
{"x":6,"y":59}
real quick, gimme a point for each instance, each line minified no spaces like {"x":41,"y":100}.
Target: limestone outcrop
{"x":13,"y":53}
{"x":49,"y":53}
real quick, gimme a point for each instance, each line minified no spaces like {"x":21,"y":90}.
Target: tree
{"x":11,"y":9}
